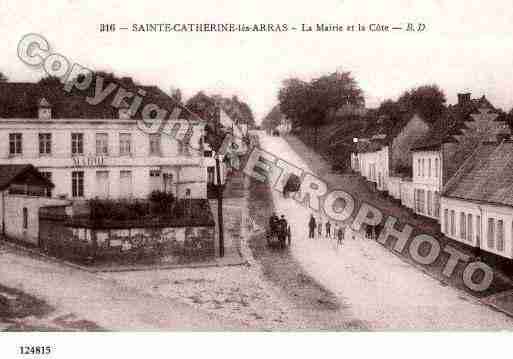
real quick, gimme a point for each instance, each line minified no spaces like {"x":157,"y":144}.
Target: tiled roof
{"x":22,"y":100}
{"x":442,"y":131}
{"x":11,"y":173}
{"x":486,"y":176}
{"x":368,"y":146}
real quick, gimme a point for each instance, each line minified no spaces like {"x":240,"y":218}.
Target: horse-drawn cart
{"x":278,"y":235}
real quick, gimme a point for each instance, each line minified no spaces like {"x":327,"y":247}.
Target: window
{"x":469,"y":228}
{"x":168,"y":182}
{"x":418,"y":167}
{"x":478,"y":230}
{"x":453,"y":225}
{"x":429,"y":167}
{"x":77,"y":184}
{"x":102,"y":144}
{"x":491,"y":233}
{"x":446,"y":221}
{"x":436,"y":204}
{"x":463,"y":226}
{"x":15,"y":144}
{"x":25,"y":218}
{"x":125,"y":179}
{"x":429,"y":203}
{"x":102,"y":184}
{"x":421,"y":201}
{"x":155,"y":180}
{"x":155,"y":144}
{"x":48,"y":176}
{"x":500,"y":235}
{"x":45,"y":143}
{"x":77,"y":143}
{"x":436,"y":167}
{"x":125,"y":144}
{"x":423,"y":168}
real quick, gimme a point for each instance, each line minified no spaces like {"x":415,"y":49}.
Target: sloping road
{"x":378,"y":287}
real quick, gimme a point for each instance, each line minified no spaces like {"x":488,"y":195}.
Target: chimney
{"x":463,"y":98}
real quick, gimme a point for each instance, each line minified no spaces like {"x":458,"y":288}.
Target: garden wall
{"x":141,"y":241}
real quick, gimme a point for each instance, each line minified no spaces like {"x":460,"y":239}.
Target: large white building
{"x":99,"y":151}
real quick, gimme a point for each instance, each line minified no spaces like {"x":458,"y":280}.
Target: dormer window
{"x":124,"y":111}
{"x":124,"y":114}
{"x":44,"y":110}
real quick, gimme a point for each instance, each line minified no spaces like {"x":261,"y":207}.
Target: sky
{"x":466,"y":47}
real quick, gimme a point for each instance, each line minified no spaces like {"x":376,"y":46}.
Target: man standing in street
{"x":311,"y":226}
{"x":319,"y":228}
{"x":340,"y":235}
{"x":328,"y":229}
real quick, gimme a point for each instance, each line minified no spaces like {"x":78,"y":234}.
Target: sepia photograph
{"x":234,"y":168}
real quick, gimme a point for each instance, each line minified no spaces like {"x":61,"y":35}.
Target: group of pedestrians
{"x":331,"y":231}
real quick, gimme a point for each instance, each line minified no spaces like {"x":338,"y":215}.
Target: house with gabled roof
{"x":23,"y":192}
{"x":386,"y":160}
{"x":437,"y":156}
{"x":477,"y":202}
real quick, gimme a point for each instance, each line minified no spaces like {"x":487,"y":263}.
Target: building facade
{"x":476,"y":204}
{"x":427,"y":182}
{"x":99,"y":152}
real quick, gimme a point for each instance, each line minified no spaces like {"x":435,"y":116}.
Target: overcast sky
{"x":467,"y":45}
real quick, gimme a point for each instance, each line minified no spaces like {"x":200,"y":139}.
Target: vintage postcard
{"x":271,"y":166}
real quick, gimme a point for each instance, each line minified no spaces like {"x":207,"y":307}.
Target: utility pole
{"x":220,"y":205}
{"x":220,"y":185}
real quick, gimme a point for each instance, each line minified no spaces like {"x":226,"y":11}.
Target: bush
{"x":161,"y":203}
{"x":117,"y":209}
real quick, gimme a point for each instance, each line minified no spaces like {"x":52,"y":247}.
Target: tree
{"x":202,"y":106}
{"x":427,"y":100}
{"x":309,"y":104}
{"x":50,"y":81}
{"x":272,"y":119}
{"x":3,"y":78}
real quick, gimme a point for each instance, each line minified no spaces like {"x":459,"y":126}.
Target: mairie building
{"x":98,"y":151}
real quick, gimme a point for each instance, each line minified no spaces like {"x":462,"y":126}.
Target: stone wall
{"x":152,"y":244}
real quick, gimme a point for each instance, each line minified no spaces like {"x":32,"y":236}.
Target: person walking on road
{"x":311,"y":226}
{"x":319,"y":228}
{"x":328,"y":229}
{"x":340,"y":235}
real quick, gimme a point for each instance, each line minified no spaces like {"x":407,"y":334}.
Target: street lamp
{"x":220,"y":188}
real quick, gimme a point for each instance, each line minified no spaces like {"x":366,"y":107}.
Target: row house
{"x":461,"y":172}
{"x":98,"y":151}
{"x":367,"y":159}
{"x":387,"y":161}
{"x":477,"y":203}
{"x":437,"y":156}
